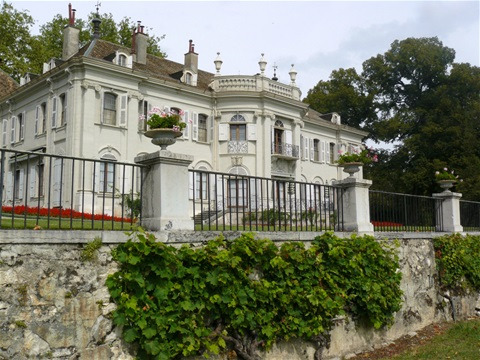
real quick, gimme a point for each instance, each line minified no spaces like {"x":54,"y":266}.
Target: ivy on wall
{"x":247,"y":294}
{"x":458,"y":262}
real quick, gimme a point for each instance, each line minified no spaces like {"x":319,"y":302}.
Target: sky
{"x":316,"y":36}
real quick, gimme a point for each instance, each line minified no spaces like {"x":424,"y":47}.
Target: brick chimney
{"x":70,"y":36}
{"x":139,"y":44}
{"x":191,"y":58}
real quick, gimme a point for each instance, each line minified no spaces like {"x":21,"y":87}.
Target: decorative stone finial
{"x":218,"y":63}
{"x":293,"y":75}
{"x":263,"y":64}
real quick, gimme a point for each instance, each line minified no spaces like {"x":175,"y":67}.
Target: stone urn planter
{"x":351,"y":168}
{"x":163,"y":137}
{"x":446,"y":185}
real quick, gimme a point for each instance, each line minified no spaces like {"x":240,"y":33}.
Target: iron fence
{"x":45,"y":191}
{"x":223,"y":201}
{"x":470,"y":215}
{"x":402,"y":212}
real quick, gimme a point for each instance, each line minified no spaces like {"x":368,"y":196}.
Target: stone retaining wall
{"x":54,"y":305}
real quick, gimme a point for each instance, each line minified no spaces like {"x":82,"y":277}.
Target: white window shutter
{"x":223,"y":132}
{"x":54,"y":112}
{"x":186,"y":120}
{"x":306,"y":151}
{"x":288,"y":137}
{"x":301,"y":147}
{"x":252,"y":132}
{"x":4,"y":132}
{"x":102,"y":106}
{"x":220,"y":188}
{"x":9,"y":185}
{"x":37,"y":118}
{"x":195,"y":127}
{"x":327,"y":153}
{"x":96,"y":176}
{"x":322,"y":154}
{"x":20,"y":184}
{"x":33,"y":181}
{"x":312,"y":155}
{"x":210,"y":128}
{"x":22,"y":125}
{"x":190,"y":184}
{"x":123,"y":110}
{"x":13,"y":121}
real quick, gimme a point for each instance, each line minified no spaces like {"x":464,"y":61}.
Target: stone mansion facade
{"x":88,"y":105}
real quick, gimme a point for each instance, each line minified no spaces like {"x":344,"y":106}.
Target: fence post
{"x":165,"y":191}
{"x":450,"y":214}
{"x":355,"y":204}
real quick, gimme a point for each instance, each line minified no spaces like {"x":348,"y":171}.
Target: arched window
{"x":278,"y":138}
{"x":238,"y":131}
{"x":237,"y":189}
{"x":188,"y":78}
{"x":122,"y":60}
{"x":109,"y":109}
{"x":107,"y":173}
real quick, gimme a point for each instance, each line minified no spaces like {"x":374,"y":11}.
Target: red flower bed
{"x":385,"y":224}
{"x":64,"y":213}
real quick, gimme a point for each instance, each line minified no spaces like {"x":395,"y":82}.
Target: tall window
{"x":109,"y":109}
{"x":332,"y":153}
{"x":63,"y":109}
{"x":237,"y":188}
{"x":238,"y":131}
{"x":40,"y":171}
{"x":21,"y":126}
{"x":188,"y":78}
{"x":43,"y":117}
{"x":107,"y":173}
{"x":202,"y":127}
{"x":316,"y":150}
{"x":18,"y":183}
{"x":201,"y":184}
{"x":278,"y":141}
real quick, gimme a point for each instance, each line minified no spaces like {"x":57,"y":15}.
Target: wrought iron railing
{"x":45,"y":191}
{"x":285,"y":149}
{"x":402,"y":212}
{"x":234,"y":202}
{"x":470,"y":215}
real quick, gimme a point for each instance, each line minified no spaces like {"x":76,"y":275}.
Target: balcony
{"x":285,"y":151}
{"x":237,"y":147}
{"x":256,"y":83}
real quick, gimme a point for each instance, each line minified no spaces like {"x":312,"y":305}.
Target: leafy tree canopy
{"x":413,"y":94}
{"x":22,"y":52}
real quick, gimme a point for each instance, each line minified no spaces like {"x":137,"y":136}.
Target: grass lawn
{"x":460,"y":342}
{"x":55,"y":223}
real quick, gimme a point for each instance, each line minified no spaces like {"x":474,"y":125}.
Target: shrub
{"x":247,"y":293}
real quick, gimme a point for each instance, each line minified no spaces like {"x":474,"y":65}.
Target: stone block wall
{"x":54,"y":305}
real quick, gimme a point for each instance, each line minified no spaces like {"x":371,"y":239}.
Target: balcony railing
{"x":286,"y":150}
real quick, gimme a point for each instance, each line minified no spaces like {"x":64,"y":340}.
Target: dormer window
{"x":122,"y":60}
{"x":188,"y":78}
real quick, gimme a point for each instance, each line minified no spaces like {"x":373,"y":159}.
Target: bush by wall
{"x":458,"y":262}
{"x":246,"y":294}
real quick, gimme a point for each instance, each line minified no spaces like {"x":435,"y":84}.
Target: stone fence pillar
{"x":356,"y":205}
{"x":450,"y":214}
{"x":165,"y":191}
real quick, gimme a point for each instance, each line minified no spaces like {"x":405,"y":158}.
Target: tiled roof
{"x":155,"y":67}
{"x":7,"y":84}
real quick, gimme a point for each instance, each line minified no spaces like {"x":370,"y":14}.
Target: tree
{"x":21,"y":52}
{"x":345,"y":94}
{"x":415,"y":95}
{"x":15,"y":41}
